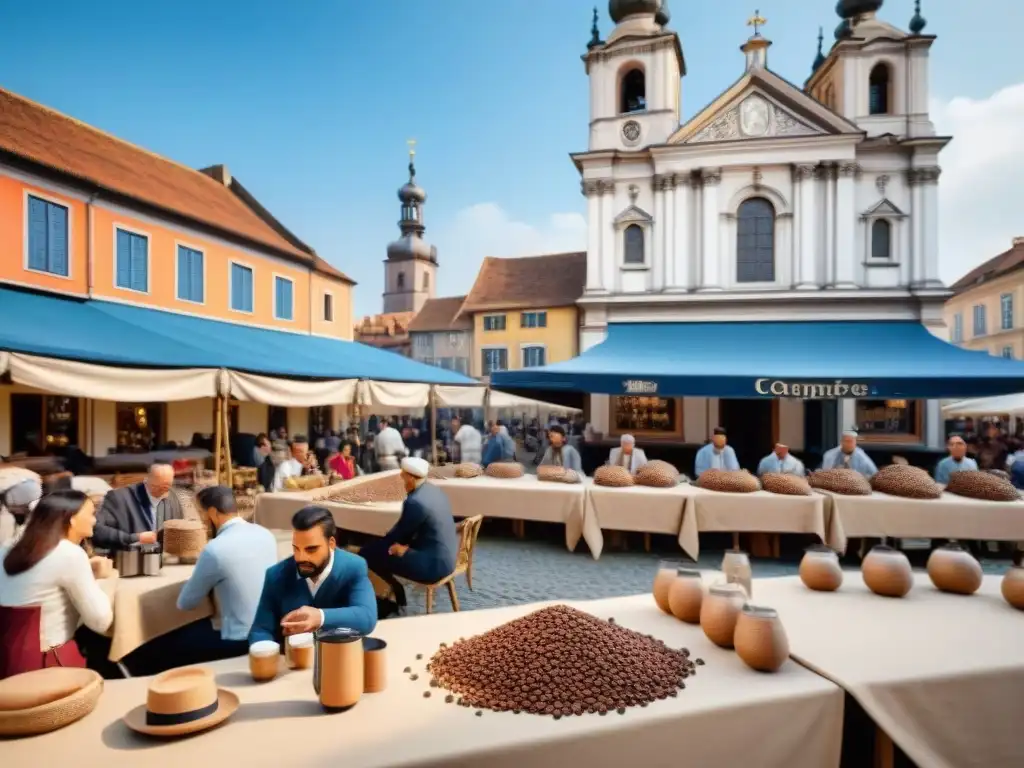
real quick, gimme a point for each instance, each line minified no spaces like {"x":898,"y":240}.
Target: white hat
{"x":627,"y":439}
{"x":415,"y":466}
{"x":850,"y":433}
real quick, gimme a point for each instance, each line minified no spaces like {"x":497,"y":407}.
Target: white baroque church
{"x":774,"y":202}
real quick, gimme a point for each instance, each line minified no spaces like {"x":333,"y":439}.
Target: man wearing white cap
{"x":423,"y":545}
{"x":15,"y":505}
{"x":781,"y":461}
{"x":848,"y":455}
{"x":627,"y":455}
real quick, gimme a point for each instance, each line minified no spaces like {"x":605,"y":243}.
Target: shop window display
{"x":890,"y":420}
{"x":654,"y":416}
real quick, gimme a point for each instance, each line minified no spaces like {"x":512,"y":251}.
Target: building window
{"x":958,"y":328}
{"x":634,"y":92}
{"x":139,"y":427}
{"x":328,"y":308}
{"x":881,"y":239}
{"x":494,"y":322}
{"x":655,"y":416}
{"x":494,"y":359}
{"x":426,"y":281}
{"x":284,"y":298}
{"x":979,"y":320}
{"x":47,"y":237}
{"x":533,"y":320}
{"x":890,"y":420}
{"x":633,"y":245}
{"x":755,"y":241}
{"x":132,"y":261}
{"x":534,"y":357}
{"x":400,"y":281}
{"x":1007,"y":352}
{"x":190,"y":275}
{"x":43,"y":423}
{"x":878,"y":93}
{"x":1006,"y":311}
{"x":241,"y":288}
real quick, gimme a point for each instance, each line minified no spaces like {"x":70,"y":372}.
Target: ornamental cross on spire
{"x":757,"y":21}
{"x":412,"y":147}
{"x":412,"y":158}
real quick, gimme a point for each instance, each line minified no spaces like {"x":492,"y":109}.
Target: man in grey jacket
{"x":136,"y":513}
{"x":560,"y":453}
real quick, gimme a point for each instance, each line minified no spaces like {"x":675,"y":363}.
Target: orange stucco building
{"x":88,"y":215}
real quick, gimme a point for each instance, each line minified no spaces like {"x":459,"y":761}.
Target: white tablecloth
{"x":636,"y":508}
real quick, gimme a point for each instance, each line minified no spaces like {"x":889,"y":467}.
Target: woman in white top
{"x":48,"y":568}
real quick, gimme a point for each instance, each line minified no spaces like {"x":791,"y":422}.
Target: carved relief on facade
{"x":754,"y":117}
{"x":923,"y":175}
{"x":711,"y":177}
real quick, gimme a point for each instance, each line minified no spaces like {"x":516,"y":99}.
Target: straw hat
{"x":47,"y":699}
{"x":184,"y":538}
{"x":180,"y":702}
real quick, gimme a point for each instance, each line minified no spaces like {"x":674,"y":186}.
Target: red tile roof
{"x":997,"y":266}
{"x":441,"y":315}
{"x":553,"y":280}
{"x":48,"y":138}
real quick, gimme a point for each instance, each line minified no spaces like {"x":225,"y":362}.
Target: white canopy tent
{"x":1012,"y":405}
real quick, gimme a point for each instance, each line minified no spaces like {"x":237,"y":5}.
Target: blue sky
{"x":310,"y":104}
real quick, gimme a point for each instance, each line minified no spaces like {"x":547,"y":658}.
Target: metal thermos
{"x":128,"y":562}
{"x":152,"y":557}
{"x":338,"y":667}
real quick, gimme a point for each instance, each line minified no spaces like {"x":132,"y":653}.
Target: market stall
{"x":941,"y":674}
{"x":727,"y":715}
{"x":275,"y":510}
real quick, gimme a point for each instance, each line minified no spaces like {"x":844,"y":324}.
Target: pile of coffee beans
{"x":559,"y":661}
{"x":381,"y":489}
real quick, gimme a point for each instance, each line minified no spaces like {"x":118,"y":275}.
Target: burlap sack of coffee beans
{"x":444,"y":472}
{"x":548,"y":474}
{"x":466,"y":471}
{"x":657,"y":474}
{"x":906,"y":481}
{"x":613,"y":477}
{"x":560,"y":661}
{"x":981,"y":485}
{"x":382,"y":489}
{"x":785,"y":485}
{"x":845,"y":482}
{"x":505,"y":470}
{"x":728,"y":481}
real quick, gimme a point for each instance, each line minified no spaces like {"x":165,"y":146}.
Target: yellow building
{"x":524,"y":312}
{"x":985,"y":310}
{"x":87,"y":217}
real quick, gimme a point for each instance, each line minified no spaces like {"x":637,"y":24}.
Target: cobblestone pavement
{"x":509,"y":571}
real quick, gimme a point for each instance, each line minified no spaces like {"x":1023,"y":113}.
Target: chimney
{"x":218,"y":173}
{"x":1018,"y":242}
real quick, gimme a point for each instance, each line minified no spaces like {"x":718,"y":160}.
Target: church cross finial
{"x":757,"y":21}
{"x":412,"y":158}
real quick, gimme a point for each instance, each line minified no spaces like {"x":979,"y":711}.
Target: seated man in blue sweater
{"x":318,"y":586}
{"x":423,"y":545}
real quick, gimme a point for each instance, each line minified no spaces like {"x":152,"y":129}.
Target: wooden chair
{"x":469,"y":530}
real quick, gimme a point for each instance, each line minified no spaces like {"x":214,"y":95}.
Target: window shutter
{"x":184,"y":275}
{"x":37,"y":232}
{"x":140,"y":263}
{"x":247,"y":298}
{"x":124,"y":256}
{"x":196,"y":276}
{"x":58,"y":239}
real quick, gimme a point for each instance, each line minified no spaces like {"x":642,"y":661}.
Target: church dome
{"x":412,"y":193}
{"x":620,"y":9}
{"x":848,"y":9}
{"x":411,"y":246}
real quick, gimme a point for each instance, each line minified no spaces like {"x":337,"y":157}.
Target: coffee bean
{"x":407,"y":670}
{"x":433,"y":683}
{"x":419,"y":656}
{"x":479,"y":713}
{"x":699,"y":662}
{"x":449,"y":699}
{"x":426,"y":694}
{"x":414,"y":677}
{"x":621,"y":710}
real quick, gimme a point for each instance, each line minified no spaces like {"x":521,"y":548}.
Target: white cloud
{"x":979,"y":193}
{"x":485,"y":229}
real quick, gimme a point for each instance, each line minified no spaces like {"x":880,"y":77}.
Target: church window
{"x":401,"y":281}
{"x":426,"y":281}
{"x":633,"y":245}
{"x":755,"y":241}
{"x":878,"y":95}
{"x":633,"y":97}
{"x":881,"y":239}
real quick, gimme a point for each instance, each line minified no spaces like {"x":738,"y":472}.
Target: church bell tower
{"x":410,"y":270}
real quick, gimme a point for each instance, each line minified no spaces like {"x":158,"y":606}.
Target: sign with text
{"x":810,"y":391}
{"x":638,"y":387}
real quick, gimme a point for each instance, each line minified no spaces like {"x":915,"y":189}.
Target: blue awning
{"x":777,"y":359}
{"x":114,"y":334}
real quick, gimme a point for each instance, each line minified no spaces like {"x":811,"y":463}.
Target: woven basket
{"x":184,"y":539}
{"x":728,"y":481}
{"x":466,"y":471}
{"x":505,"y":470}
{"x":657,"y":474}
{"x":383,"y":489}
{"x":305,"y":482}
{"x":785,"y":485}
{"x":613,"y":477}
{"x":981,"y":485}
{"x":845,"y":482}
{"x":906,"y":481}
{"x":444,"y":472}
{"x":47,"y":699}
{"x":557,"y":475}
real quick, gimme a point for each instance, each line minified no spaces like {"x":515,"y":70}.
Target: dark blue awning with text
{"x":819,"y":360}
